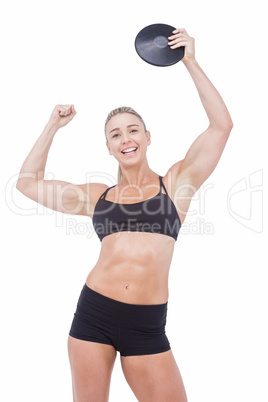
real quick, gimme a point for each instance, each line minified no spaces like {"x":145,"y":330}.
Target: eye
{"x":115,"y":135}
{"x":133,"y":131}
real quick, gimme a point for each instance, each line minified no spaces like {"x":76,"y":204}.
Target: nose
{"x":125,"y":138}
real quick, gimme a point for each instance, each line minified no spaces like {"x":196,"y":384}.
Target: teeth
{"x":129,"y":150}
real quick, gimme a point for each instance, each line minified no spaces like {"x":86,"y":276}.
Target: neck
{"x":136,"y":175}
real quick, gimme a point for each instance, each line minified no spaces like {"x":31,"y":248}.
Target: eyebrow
{"x":130,"y":125}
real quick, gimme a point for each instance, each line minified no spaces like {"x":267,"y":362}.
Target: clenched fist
{"x":62,"y":115}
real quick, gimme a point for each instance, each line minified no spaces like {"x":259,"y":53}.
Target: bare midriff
{"x":133,"y":267}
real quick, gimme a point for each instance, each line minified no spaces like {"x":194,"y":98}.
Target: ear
{"x":148,"y":137}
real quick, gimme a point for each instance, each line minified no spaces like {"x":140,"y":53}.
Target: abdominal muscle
{"x":133,"y":267}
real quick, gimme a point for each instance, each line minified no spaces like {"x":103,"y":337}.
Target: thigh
{"x":91,"y":366}
{"x":154,"y":377}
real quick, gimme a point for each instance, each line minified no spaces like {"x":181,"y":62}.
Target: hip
{"x":131,"y":329}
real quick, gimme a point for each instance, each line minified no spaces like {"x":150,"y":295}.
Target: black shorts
{"x":132,"y":329}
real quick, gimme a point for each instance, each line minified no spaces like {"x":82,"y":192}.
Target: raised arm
{"x":54,"y":194}
{"x":204,"y":154}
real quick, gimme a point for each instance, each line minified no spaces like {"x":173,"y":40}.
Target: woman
{"x":123,"y":304}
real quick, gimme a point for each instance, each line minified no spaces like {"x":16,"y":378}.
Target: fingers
{"x":177,"y":41}
{"x":180,"y":30}
{"x":181,"y":38}
{"x":179,"y":35}
{"x":65,"y":110}
{"x":62,"y":115}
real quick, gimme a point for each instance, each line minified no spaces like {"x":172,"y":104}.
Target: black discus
{"x":151,"y":44}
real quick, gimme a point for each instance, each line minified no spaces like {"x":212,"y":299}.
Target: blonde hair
{"x":120,"y":110}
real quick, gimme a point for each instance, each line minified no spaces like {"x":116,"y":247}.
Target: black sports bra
{"x":157,"y":214}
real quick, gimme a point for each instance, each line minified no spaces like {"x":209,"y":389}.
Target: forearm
{"x":34,"y":165}
{"x":212,"y":101}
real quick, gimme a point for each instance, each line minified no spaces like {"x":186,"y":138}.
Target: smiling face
{"x":127,"y":139}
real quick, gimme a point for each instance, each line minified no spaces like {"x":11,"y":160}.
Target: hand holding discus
{"x":181,"y":38}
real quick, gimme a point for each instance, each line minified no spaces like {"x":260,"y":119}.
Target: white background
{"x":83,"y":53}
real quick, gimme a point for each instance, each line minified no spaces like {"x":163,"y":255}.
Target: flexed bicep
{"x":59,"y":196}
{"x":204,"y":155}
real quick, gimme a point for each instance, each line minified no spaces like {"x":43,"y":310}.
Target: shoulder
{"x":91,"y":194}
